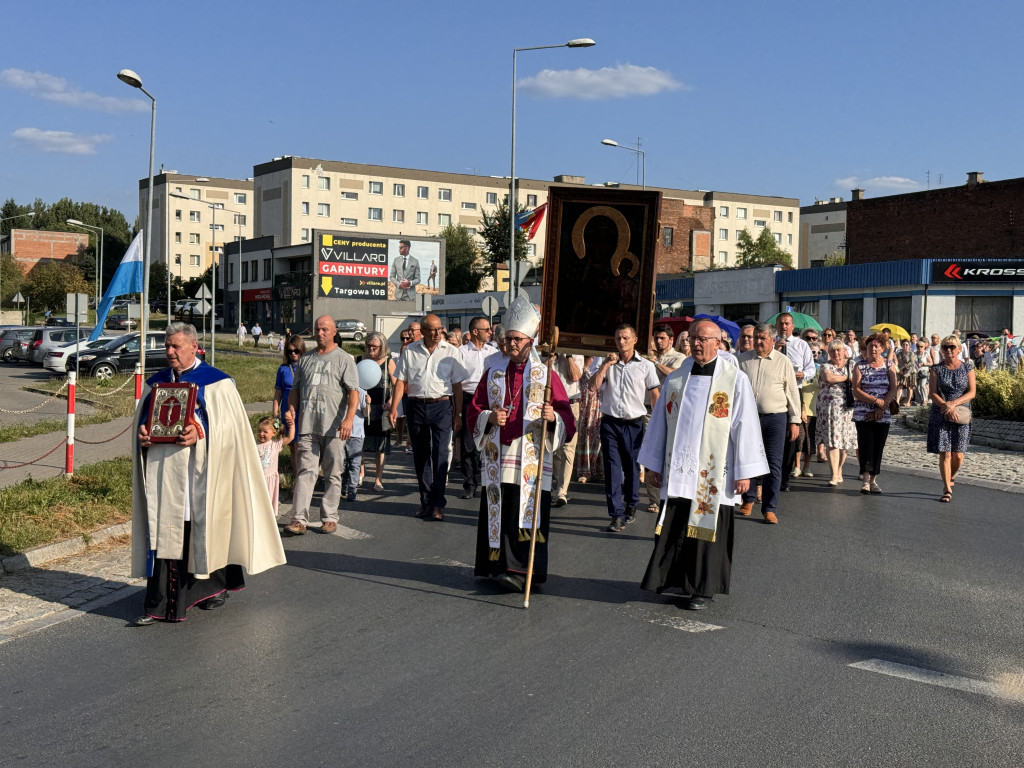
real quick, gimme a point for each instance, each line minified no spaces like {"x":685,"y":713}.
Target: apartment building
{"x":823,"y":231}
{"x":185,"y":224}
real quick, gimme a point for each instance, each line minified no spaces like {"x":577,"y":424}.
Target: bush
{"x":1000,"y":395}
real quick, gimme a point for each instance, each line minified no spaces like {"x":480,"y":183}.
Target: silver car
{"x":45,"y":339}
{"x":56,"y":360}
{"x":10,"y":337}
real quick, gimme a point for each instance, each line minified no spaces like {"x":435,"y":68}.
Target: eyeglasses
{"x":704,"y":339}
{"x":294,"y":351}
{"x":812,"y":338}
{"x":517,"y":339}
{"x":373,"y":346}
{"x":949,"y":347}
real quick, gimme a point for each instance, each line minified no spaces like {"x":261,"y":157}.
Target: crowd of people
{"x":704,"y":424}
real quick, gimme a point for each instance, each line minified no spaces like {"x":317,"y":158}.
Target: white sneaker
{"x":807,"y":474}
{"x":795,"y":473}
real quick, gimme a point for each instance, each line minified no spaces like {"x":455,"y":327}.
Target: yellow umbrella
{"x":895,"y":331}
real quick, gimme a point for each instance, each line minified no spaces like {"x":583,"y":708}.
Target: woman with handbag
{"x":874,"y":393}
{"x":906,"y":362}
{"x":378,"y":426}
{"x":951,"y":386}
{"x":835,"y":429}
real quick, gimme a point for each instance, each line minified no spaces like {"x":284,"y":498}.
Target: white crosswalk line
{"x":686,"y":625}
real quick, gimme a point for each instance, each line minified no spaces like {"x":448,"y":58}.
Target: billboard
{"x":375,"y":267}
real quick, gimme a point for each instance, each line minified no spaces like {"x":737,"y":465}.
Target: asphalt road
{"x":384,"y":650}
{"x":14,"y":376}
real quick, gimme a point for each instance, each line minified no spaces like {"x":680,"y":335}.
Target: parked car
{"x":351,"y":329}
{"x":56,"y":359}
{"x":11,"y":336}
{"x":60,"y":321}
{"x":119,"y":321}
{"x":120,"y":355}
{"x":45,"y":339}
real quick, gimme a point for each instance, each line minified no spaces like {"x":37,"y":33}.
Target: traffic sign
{"x":18,"y":298}
{"x":489,"y":306}
{"x":203,"y":293}
{"x":77,"y":308}
{"x":203,"y":307}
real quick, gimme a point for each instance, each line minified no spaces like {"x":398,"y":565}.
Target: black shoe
{"x":512,"y":582}
{"x":212,"y":603}
{"x":424,"y":512}
{"x":561,"y":501}
{"x":630,"y":515}
{"x":469,"y":493}
{"x":617,"y":525}
{"x":144,"y":621}
{"x":784,"y":488}
{"x":696,"y":603}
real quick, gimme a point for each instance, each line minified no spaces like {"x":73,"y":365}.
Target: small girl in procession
{"x":269,"y":441}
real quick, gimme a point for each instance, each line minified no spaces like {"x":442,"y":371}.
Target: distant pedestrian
{"x":256,"y":333}
{"x":874,"y":390}
{"x":241,"y":333}
{"x":352,"y":475}
{"x":906,"y":375}
{"x":588,"y":425}
{"x":953,"y":386}
{"x":294,"y":349}
{"x":270,"y":439}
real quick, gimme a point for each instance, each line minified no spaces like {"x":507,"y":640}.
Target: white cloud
{"x":883,"y":184}
{"x":53,"y":88}
{"x":596,"y":84}
{"x":60,"y":141}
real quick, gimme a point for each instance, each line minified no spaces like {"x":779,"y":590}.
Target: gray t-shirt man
{"x":323,"y":383}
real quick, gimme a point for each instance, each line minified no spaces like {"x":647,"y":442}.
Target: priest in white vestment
{"x":702,"y":446}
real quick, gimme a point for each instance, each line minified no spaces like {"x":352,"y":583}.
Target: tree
{"x":11,"y":278}
{"x":495,"y":233}
{"x":50,"y":281}
{"x":464,"y":269}
{"x":835,"y":259}
{"x":762,"y":252}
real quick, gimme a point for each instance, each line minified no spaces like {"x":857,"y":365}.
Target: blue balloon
{"x":369,"y":374}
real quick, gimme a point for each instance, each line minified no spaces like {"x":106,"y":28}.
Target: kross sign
{"x":1004,"y":271}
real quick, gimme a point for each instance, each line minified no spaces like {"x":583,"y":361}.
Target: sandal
{"x":946,"y":497}
{"x":378,"y":487}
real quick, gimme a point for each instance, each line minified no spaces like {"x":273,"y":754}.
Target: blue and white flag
{"x":127,"y":279}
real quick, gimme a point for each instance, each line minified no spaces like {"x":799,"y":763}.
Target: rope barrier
{"x":52,"y":397}
{"x":111,"y":392}
{"x":27,"y":463}
{"x":100,"y":442}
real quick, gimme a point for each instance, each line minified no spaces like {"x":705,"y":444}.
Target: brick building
{"x":685,"y":241}
{"x":977,"y":220}
{"x":30,"y":246}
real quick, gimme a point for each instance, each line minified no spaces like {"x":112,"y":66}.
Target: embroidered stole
{"x":714,"y":445}
{"x":534,"y":379}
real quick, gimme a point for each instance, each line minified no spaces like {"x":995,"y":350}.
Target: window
{"x":350,"y":222}
{"x":471,"y":231}
{"x":231,"y":274}
{"x":723,"y":211}
{"x":398,"y":190}
{"x":723,"y":234}
{"x":193,"y":238}
{"x":304,"y":234}
{"x":178,"y":190}
{"x":323,"y":183}
{"x":723,"y":257}
{"x":778,"y":237}
{"x":240,"y":198}
{"x":193,"y":260}
{"x":777,"y":216}
{"x":667,"y":234}
{"x":375,"y":214}
{"x":323,"y":209}
{"x":848,"y":314}
{"x":422,"y":218}
{"x":177,"y":258}
{"x":239,"y":219}
{"x":738,"y":232}
{"x":245,"y":271}
{"x":177,"y":237}
{"x":218,"y":206}
{"x":398,"y":216}
{"x":376,"y":187}
{"x":305,"y":181}
{"x":531,"y":249}
{"x":305,"y":209}
{"x":177,"y":215}
{"x":895,"y":310}
{"x":531,"y":201}
{"x":444,"y":219}
{"x":444,"y":194}
{"x":789,"y":239}
{"x":349,"y":195}
{"x":195,"y":216}
{"x":422,"y":192}
{"x":195,"y":194}
{"x":790,"y":215}
{"x":741,"y":213}
{"x":267,"y":269}
{"x":469,"y":206}
{"x":217,"y":227}
{"x":976,"y":314}
{"x":237,"y":239}
{"x":492,"y":198}
{"x":760,"y":223}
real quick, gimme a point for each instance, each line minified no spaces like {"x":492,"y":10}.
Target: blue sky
{"x":798,"y":99}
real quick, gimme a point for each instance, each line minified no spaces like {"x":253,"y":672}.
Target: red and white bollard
{"x":138,"y":385}
{"x":69,"y":450}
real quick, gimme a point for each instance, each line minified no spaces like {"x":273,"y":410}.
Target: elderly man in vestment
{"x":702,"y":447}
{"x":506,"y":416}
{"x":201,"y":512}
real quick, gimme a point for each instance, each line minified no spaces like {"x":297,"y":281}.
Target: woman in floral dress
{"x":874,"y":389}
{"x":951,"y":384}
{"x":835,"y":428}
{"x":588,"y":441}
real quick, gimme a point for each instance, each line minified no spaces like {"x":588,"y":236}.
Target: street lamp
{"x":580,"y":42}
{"x":99,"y":255}
{"x":131,"y":78}
{"x":640,"y":154}
{"x":28,"y":215}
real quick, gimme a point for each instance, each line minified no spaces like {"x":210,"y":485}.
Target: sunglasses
{"x":949,"y":347}
{"x":294,"y":351}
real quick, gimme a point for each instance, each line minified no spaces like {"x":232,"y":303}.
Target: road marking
{"x":351,"y":533}
{"x":1009,"y":687}
{"x":442,"y":561}
{"x":686,"y":625}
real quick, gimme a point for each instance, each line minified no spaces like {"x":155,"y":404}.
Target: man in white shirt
{"x":852,"y":346}
{"x":799,"y":354}
{"x":429,"y":371}
{"x":474,"y":359}
{"x":623,"y":381}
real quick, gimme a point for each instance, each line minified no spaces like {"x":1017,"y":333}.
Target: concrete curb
{"x":47,"y":552}
{"x":66,"y":613}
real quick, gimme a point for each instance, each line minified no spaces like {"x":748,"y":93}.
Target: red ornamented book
{"x":173,"y":409}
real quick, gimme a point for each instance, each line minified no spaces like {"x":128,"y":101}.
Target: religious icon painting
{"x":172,"y":409}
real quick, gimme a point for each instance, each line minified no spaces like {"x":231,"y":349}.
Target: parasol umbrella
{"x":801,"y":322}
{"x":894,"y":330}
{"x":726,"y":325}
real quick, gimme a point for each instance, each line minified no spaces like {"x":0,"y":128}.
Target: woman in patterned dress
{"x":951,"y":383}
{"x":906,"y":362}
{"x":835,"y":428}
{"x":874,"y":389}
{"x":588,"y":441}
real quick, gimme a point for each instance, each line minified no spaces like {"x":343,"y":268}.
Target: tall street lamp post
{"x":131,"y":78}
{"x":99,"y":255}
{"x":580,"y":42}
{"x":28,"y":215}
{"x":642,"y":169}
